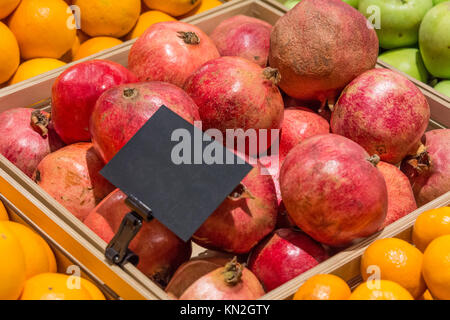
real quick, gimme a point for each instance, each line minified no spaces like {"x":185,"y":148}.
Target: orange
{"x":427,"y":296}
{"x":108,"y":17}
{"x":94,"y":292}
{"x":52,"y":286}
{"x":3,"y":213}
{"x":173,"y":7}
{"x":204,"y":6}
{"x":146,"y":20}
{"x":380,"y":290}
{"x":95,"y":45}
{"x":42,"y":28}
{"x":436,"y":267}
{"x":12,"y":264}
{"x":397,"y":261}
{"x":37,"y":258}
{"x":7,"y":6}
{"x":35,"y":67}
{"x":430,"y":225}
{"x":10,"y":55}
{"x":323,"y":287}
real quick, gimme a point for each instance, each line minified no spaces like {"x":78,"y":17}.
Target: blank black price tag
{"x":181,"y":195}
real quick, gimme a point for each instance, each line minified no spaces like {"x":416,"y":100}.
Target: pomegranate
{"x":234,"y":93}
{"x":170,"y":52}
{"x":332,"y":190}
{"x":160,"y":251}
{"x":284,"y":255}
{"x":400,"y":195}
{"x":245,"y":37}
{"x":318,"y":53}
{"x":298,"y":124}
{"x":429,"y":170}
{"x":75,"y":92}
{"x":71,"y":176}
{"x":232,"y":282}
{"x":383,"y":112}
{"x":194,"y":269}
{"x":244,"y":218}
{"x":121,"y":111}
{"x":27,"y":137}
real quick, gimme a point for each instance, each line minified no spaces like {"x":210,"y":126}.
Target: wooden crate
{"x":75,"y":236}
{"x":439,"y":103}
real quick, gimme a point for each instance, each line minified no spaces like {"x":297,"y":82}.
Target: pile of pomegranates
{"x":339,"y":175}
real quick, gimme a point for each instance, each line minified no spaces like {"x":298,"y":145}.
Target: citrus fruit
{"x":146,"y":20}
{"x":7,"y":6}
{"x":94,"y":292}
{"x":427,"y":296}
{"x":35,"y":67}
{"x":173,"y":7}
{"x":397,"y":261}
{"x":95,"y":45}
{"x":380,"y":290}
{"x":205,"y":5}
{"x":108,"y":17}
{"x":430,"y":225}
{"x":323,"y":287}
{"x":37,"y":259}
{"x":436,"y":267}
{"x":3,"y":213}
{"x":42,"y":28}
{"x":12,"y":265}
{"x":10,"y":56}
{"x":52,"y":286}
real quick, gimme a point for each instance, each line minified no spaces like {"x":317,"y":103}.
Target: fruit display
{"x":29,"y":268}
{"x":43,"y":35}
{"x":343,"y":151}
{"x":394,"y":269}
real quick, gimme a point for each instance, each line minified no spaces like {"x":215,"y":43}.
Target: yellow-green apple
{"x":407,"y":60}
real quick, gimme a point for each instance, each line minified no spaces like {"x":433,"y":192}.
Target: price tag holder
{"x":165,"y":172}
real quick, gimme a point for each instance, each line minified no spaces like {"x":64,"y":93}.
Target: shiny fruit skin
{"x":323,"y":287}
{"x":10,"y":57}
{"x":387,"y":290}
{"x":436,"y":267}
{"x":95,"y":45}
{"x":146,"y":20}
{"x":430,"y":225}
{"x":34,"y":67}
{"x":173,"y":7}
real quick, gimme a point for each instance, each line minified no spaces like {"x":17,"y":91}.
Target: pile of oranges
{"x":28,"y":269}
{"x":40,"y":35}
{"x":393,"y":269}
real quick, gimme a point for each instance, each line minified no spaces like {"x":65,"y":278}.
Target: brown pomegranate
{"x":318,"y":53}
{"x":71,"y":176}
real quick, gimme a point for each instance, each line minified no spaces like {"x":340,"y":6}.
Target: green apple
{"x":434,"y":40}
{"x":353,"y":3}
{"x":435,"y":2}
{"x":407,"y":60}
{"x":396,"y":21}
{"x":443,"y":87}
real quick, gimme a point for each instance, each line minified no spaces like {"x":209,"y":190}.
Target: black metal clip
{"x":117,"y":250}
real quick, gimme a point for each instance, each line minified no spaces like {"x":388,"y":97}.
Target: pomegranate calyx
{"x":240,"y":192}
{"x":420,"y":162}
{"x":40,"y":121}
{"x":189,"y":37}
{"x":374,"y":159}
{"x":232,"y":273}
{"x":272,"y":74}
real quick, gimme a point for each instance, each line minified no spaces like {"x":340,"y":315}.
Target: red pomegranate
{"x":245,"y":37}
{"x":318,"y":53}
{"x":400,"y":195}
{"x":75,"y":92}
{"x":71,"y":176}
{"x":429,"y":170}
{"x":170,"y":52}
{"x":232,"y":282}
{"x":299,"y":124}
{"x":27,"y":137}
{"x":160,"y":251}
{"x":285,"y":254}
{"x":121,"y":111}
{"x":234,"y":93}
{"x":244,"y":218}
{"x":332,"y":190}
{"x":383,"y":112}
